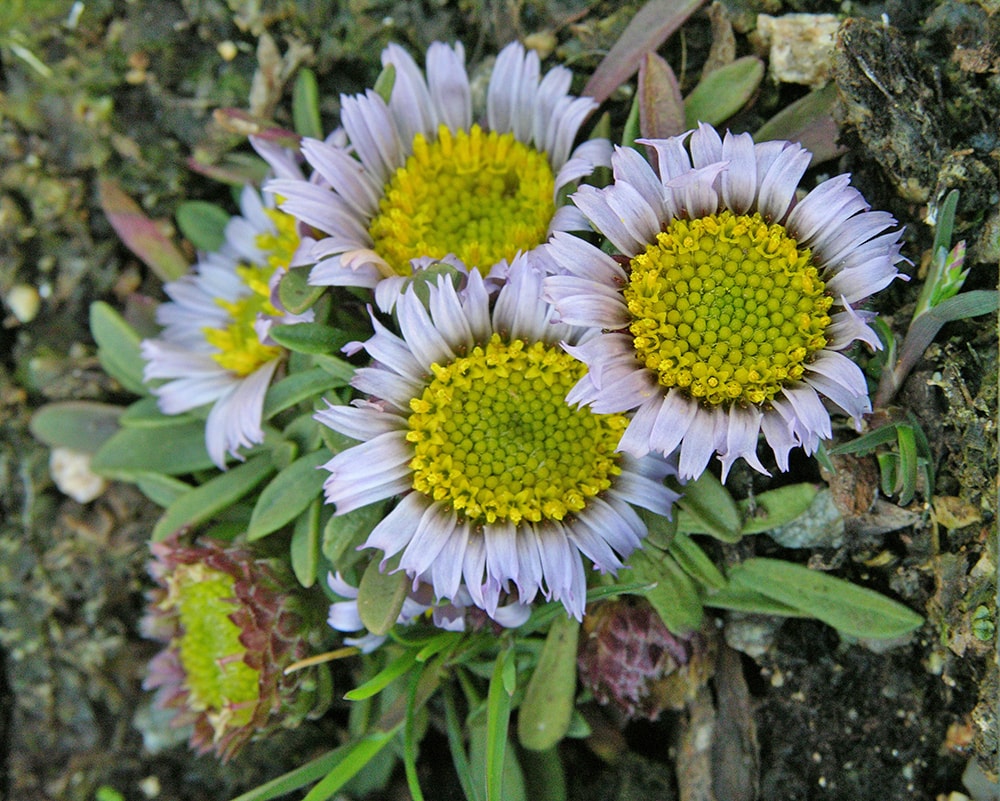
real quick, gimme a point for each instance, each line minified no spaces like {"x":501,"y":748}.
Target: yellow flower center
{"x":239,"y":348}
{"x":481,"y":196}
{"x":727,"y":308}
{"x":217,"y":678}
{"x":494,"y":437}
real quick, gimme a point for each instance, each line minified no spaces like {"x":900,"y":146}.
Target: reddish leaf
{"x":649,"y":28}
{"x":139,"y":233}
{"x":661,"y":107}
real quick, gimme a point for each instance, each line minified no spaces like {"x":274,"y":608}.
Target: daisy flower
{"x":727,"y":314}
{"x":421,"y":183}
{"x":214,"y":347}
{"x":501,"y":484}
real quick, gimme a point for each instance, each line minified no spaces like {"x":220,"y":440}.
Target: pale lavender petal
{"x":373,"y":135}
{"x":777,"y":186}
{"x":577,"y":257}
{"x":834,"y":244}
{"x":354,"y":483}
{"x":642,"y":491}
{"x":446,"y":572}
{"x":849,"y":326}
{"x":830,"y":203}
{"x":700,"y":443}
{"x":673,"y":421}
{"x":706,"y":146}
{"x":671,"y":155}
{"x":361,"y":421}
{"x":813,"y":418}
{"x":739,"y":182}
{"x":596,"y":204}
{"x":424,"y":340}
{"x":778,"y":433}
{"x":396,"y":529}
{"x":345,"y":174}
{"x":695,"y":193}
{"x":502,"y":92}
{"x":501,"y":554}
{"x":842,"y":381}
{"x":410,"y":102}
{"x":741,"y":439}
{"x":449,"y":85}
{"x":636,"y":439}
{"x":587,"y":303}
{"x":427,"y":541}
{"x":629,"y":166}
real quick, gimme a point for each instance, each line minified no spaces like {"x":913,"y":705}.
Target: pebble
{"x":71,"y":473}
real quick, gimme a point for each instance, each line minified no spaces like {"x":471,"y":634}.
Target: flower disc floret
{"x":727,"y":308}
{"x":493,"y":439}
{"x":479,"y":196}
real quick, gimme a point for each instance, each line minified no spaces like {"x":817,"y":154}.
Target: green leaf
{"x":349,"y":530}
{"x":707,"y":508}
{"x":866,"y":443}
{"x":545,"y":713}
{"x":295,"y":779}
{"x":79,"y":425}
{"x":852,"y":610}
{"x":380,"y":597}
{"x":498,"y":706}
{"x":295,"y":292}
{"x":203,"y":224}
{"x":207,"y":500}
{"x":161,"y":490}
{"x":305,"y":105}
{"x":396,"y":668}
{"x":299,"y":387}
{"x":356,"y":755}
{"x":673,"y":596}
{"x":459,"y":758}
{"x":777,"y":507}
{"x":742,"y":599}
{"x":309,"y":337}
{"x":305,"y":545}
{"x":410,"y":741}
{"x":906,"y":480}
{"x":173,"y":450}
{"x":695,"y":562}
{"x":288,"y":494}
{"x":117,"y":347}
{"x":631,"y":130}
{"x":145,"y":413}
{"x":723,"y":91}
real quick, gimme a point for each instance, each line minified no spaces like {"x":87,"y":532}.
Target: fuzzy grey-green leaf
{"x":380,"y":597}
{"x":288,"y":494}
{"x":547,"y":709}
{"x":117,"y":347}
{"x":79,"y":425}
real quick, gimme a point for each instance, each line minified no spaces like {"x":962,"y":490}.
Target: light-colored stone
{"x":801,"y":47}
{"x":72,"y":475}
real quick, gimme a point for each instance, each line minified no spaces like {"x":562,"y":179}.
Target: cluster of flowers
{"x":527,"y":389}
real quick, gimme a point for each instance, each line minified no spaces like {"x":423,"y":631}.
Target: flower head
{"x":501,"y":484}
{"x":728,"y":311}
{"x":421,"y":183}
{"x":230,"y":630}
{"x":214,"y":346}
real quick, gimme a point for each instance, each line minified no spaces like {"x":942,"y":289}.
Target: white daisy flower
{"x":501,"y":484}
{"x":422,"y":183}
{"x":214,"y":347}
{"x":728,"y":311}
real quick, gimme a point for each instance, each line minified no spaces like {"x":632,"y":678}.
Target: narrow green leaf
{"x":295,"y":292}
{"x":944,"y":224}
{"x":335,"y":366}
{"x":346,"y":531}
{"x":742,"y":599}
{"x":295,"y":779}
{"x":544,"y":775}
{"x":299,"y":387}
{"x":723,"y":91}
{"x":305,"y":545}
{"x":707,"y":508}
{"x":305,"y":105}
{"x":545,"y":713}
{"x":145,"y":413}
{"x":207,"y":500}
{"x":777,"y":507}
{"x":631,"y":130}
{"x":117,"y":347}
{"x":906,"y":480}
{"x":866,"y":443}
{"x":888,"y":464}
{"x":381,"y":596}
{"x":161,"y":490}
{"x":695,"y":562}
{"x":356,"y":756}
{"x":309,"y":337}
{"x":673,"y":595}
{"x":498,"y":704}
{"x":852,"y":610}
{"x":410,"y":741}
{"x":459,"y":758}
{"x":288,"y":494}
{"x":396,"y":668}
{"x":203,"y":224}
{"x":173,"y":450}
{"x":79,"y":425}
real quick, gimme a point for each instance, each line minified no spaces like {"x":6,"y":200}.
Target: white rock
{"x":802,"y":46}
{"x":72,"y":474}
